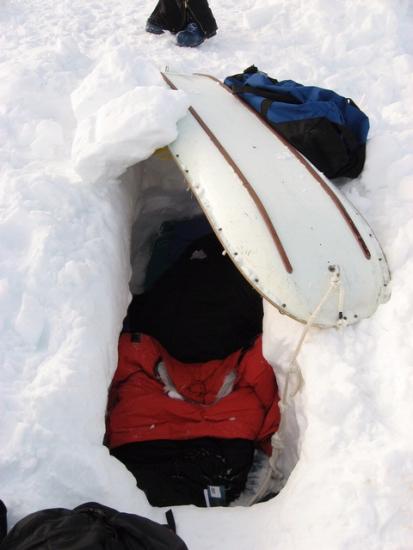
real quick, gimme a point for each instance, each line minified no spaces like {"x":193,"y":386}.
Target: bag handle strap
{"x":273,"y":95}
{"x":170,"y":521}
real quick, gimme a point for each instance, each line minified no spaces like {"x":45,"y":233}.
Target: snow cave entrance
{"x":193,"y":423}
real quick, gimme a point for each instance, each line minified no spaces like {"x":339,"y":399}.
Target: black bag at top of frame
{"x":90,"y":526}
{"x":328,"y":129}
{"x":174,"y":15}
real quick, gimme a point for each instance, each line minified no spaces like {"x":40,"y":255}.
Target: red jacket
{"x":141,"y":407}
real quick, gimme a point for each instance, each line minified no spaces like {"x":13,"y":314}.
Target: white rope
{"x":341,"y":319}
{"x":294,"y":369}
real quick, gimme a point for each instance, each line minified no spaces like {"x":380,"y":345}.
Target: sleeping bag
{"x":154,"y":396}
{"x":191,"y":425}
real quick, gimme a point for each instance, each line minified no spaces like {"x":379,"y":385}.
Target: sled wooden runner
{"x":283,"y":224}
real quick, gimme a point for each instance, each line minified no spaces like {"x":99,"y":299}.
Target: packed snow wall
{"x":162,"y":196}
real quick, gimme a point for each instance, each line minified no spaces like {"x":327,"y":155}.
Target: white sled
{"x":290,"y":232}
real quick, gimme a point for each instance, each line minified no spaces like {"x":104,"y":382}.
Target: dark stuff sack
{"x":204,"y":471}
{"x":201,"y":308}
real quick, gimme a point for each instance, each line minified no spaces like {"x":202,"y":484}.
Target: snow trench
{"x":74,"y":239}
{"x":77,"y":141}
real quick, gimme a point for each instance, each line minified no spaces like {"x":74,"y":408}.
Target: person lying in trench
{"x":193,"y":396}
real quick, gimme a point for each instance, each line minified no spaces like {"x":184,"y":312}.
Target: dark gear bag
{"x":328,"y":129}
{"x":201,"y":308}
{"x":90,"y":526}
{"x":174,"y":15}
{"x":205,"y":471}
{"x":174,"y":237}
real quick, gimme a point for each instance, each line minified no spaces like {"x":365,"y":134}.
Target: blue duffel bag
{"x":328,"y":129}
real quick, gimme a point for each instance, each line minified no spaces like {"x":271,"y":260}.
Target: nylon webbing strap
{"x":170,"y":521}
{"x":283,"y":97}
{"x":265,"y":105}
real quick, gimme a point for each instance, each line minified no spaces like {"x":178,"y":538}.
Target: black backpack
{"x":90,"y":526}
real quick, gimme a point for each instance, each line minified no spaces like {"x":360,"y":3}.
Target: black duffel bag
{"x":90,"y":526}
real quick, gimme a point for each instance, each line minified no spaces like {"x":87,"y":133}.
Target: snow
{"x":80,"y":102}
